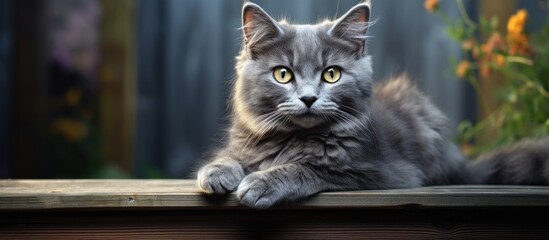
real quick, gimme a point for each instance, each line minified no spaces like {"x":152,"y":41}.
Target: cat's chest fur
{"x":315,"y":148}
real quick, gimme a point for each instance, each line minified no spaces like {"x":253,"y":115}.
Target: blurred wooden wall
{"x":488,"y":100}
{"x":6,"y":41}
{"x":29,"y":70}
{"x":29,"y":131}
{"x":117,"y":79}
{"x":502,"y":9}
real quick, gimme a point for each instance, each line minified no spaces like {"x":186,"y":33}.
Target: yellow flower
{"x":73,"y":96}
{"x":516,"y":23}
{"x":516,"y":39}
{"x":462,"y":68}
{"x":71,"y":129}
{"x":430,"y":5}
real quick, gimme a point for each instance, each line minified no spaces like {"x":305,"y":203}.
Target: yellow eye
{"x":283,"y":74}
{"x":331,"y":74}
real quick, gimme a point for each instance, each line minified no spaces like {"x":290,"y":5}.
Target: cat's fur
{"x":356,"y":135}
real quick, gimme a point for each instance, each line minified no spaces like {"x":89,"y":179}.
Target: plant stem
{"x":475,"y":83}
{"x":517,"y":59}
{"x":464,"y":14}
{"x":532,"y":84}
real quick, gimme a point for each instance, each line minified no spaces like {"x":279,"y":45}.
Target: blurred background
{"x":138,"y":88}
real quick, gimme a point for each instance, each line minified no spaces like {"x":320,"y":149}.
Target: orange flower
{"x":468,"y":44}
{"x":462,"y":68}
{"x":486,"y":50}
{"x":518,"y":44}
{"x":500,"y":60}
{"x":485,"y":70}
{"x":466,"y":149}
{"x":430,"y":5}
{"x":495,"y":41}
{"x":475,"y":52}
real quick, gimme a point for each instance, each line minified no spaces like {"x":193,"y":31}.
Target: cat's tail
{"x":523,"y":163}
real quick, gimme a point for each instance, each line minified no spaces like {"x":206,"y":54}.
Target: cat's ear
{"x":258,"y":26}
{"x":353,"y":25}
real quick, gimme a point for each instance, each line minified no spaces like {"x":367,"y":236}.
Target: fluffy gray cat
{"x":307,"y":118}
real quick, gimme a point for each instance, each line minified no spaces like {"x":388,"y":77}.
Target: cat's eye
{"x":283,"y":74}
{"x":331,"y":74}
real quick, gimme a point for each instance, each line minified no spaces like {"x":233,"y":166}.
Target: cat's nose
{"x":308,"y":100}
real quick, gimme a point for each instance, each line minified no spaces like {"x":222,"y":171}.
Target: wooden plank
{"x":136,"y":194}
{"x":174,"y":209}
{"x":279,"y":224}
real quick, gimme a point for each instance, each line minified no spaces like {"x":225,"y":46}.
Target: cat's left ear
{"x":353,"y":25}
{"x":259,"y":28}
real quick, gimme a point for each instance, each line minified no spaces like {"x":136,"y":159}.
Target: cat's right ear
{"x":258,"y":26}
{"x":353,"y":25}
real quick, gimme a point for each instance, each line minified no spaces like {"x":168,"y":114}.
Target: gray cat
{"x":307,"y":118}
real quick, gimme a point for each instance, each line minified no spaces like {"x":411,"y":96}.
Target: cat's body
{"x":307,"y":118}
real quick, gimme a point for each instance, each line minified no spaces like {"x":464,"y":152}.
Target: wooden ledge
{"x":174,"y":209}
{"x":157,"y":194}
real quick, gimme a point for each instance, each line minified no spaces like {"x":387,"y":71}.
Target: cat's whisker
{"x":267,"y":123}
{"x":351,"y":109}
{"x":283,"y":122}
{"x":251,"y":136}
{"x":340,"y":120}
{"x":359,"y":113}
{"x":354,"y":121}
{"x":286,"y":104}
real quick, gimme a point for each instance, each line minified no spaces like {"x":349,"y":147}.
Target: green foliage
{"x":519,"y":62}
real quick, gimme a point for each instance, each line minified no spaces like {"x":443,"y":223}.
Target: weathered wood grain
{"x":447,"y":223}
{"x":127,"y":194}
{"x":174,"y":209}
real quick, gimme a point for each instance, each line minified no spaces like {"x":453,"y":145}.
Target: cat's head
{"x":302,"y":76}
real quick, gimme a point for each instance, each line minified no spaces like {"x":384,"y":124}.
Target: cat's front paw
{"x":220,"y":177}
{"x":256,"y":191}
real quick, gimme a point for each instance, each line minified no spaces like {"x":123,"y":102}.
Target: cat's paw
{"x":220,"y":177}
{"x":257,"y":192}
